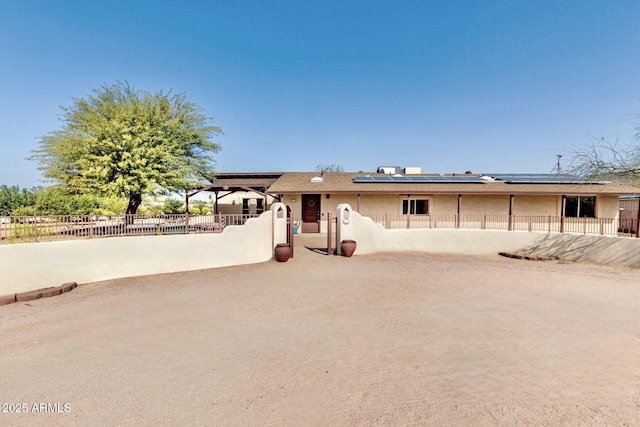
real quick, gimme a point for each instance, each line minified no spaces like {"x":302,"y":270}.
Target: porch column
{"x":638,"y":220}
{"x":459,"y":209}
{"x":358,"y":203}
{"x":562,"y":211}
{"x":408,"y":210}
{"x":510,"y":212}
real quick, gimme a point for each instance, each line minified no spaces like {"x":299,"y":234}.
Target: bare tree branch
{"x":603,"y":158}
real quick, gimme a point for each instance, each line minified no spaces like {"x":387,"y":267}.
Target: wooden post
{"x":358,"y":203}
{"x":510,"y":228}
{"x":564,"y":205}
{"x":459,"y":208}
{"x":290,"y":230}
{"x":186,"y":216}
{"x":35,"y":227}
{"x":638,"y":221}
{"x":408,"y":210}
{"x":329,"y":231}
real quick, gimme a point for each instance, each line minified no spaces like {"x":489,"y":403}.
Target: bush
{"x":24,"y":211}
{"x":173,"y":206}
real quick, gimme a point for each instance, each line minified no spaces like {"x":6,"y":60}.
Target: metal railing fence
{"x":21,"y":229}
{"x":541,"y":223}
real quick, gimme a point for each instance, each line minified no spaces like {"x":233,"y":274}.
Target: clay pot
{"x":347,"y":247}
{"x":282,"y":252}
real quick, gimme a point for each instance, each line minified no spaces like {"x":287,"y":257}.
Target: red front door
{"x":310,"y":213}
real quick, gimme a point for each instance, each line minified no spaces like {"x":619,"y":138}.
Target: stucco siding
{"x":537,"y":205}
{"x":607,"y":206}
{"x":445,"y":204}
{"x":489,"y":204}
{"x":379,"y":204}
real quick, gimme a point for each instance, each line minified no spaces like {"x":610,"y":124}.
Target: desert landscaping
{"x":384,"y":339}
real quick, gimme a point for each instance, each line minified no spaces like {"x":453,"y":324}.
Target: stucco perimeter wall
{"x":372,"y":237}
{"x":608,"y":250}
{"x":31,"y":266}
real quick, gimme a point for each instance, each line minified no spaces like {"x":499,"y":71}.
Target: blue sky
{"x":451,"y":86}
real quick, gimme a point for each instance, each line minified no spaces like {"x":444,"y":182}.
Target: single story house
{"x":396,"y":192}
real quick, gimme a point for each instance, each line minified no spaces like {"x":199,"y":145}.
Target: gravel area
{"x":385,"y":339}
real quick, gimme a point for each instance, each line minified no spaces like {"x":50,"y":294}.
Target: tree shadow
{"x":600,"y":249}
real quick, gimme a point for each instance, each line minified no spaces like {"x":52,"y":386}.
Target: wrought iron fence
{"x":602,"y":226}
{"x":20,"y":229}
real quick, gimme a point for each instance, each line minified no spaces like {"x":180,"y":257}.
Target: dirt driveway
{"x":387,"y":339}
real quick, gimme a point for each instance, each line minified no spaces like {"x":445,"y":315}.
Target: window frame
{"x":404,"y":207}
{"x":581,"y":205}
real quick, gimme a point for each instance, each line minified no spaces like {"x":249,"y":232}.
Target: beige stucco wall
{"x":537,"y":205}
{"x":294,"y":201}
{"x":374,"y":204}
{"x":445,"y":204}
{"x":372,"y":238}
{"x":330,"y":204}
{"x":31,"y":266}
{"x":607,"y":206}
{"x":488,"y":205}
{"x":610,"y":250}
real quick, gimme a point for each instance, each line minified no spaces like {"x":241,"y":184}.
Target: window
{"x":245,"y":206}
{"x":418,"y":207}
{"x":580,"y":207}
{"x":259,"y":206}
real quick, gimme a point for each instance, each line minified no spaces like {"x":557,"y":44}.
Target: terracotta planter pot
{"x":347,"y":247}
{"x":282,"y":252}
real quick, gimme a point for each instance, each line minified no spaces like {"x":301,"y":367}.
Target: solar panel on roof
{"x":544,"y":178}
{"x":420,"y":179}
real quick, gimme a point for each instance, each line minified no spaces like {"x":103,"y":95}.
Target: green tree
{"x":127,"y":143}
{"x":14,"y":197}
{"x":173,"y":206}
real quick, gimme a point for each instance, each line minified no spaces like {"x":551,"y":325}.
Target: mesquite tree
{"x":129,"y":143}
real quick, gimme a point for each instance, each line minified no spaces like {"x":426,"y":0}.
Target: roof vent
{"x":316,"y":179}
{"x":413,"y":170}
{"x":389,"y":170}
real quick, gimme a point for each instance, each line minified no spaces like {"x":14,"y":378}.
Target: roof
{"x":258,"y":182}
{"x":343,"y":183}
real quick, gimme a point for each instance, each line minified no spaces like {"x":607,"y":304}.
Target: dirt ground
{"x":386,"y":339}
